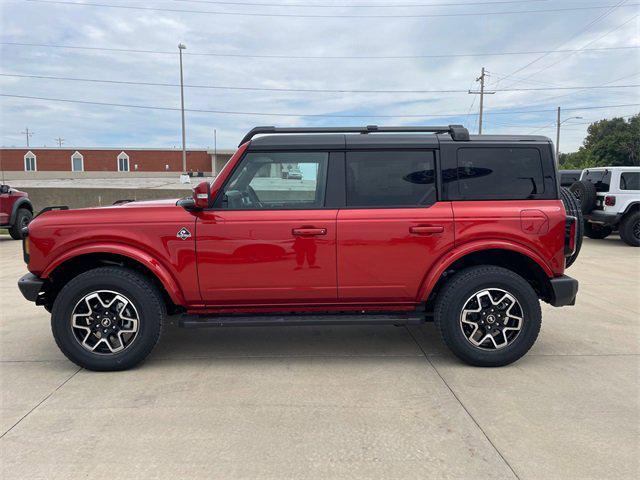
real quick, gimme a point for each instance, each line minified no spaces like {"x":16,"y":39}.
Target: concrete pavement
{"x":333,"y":402}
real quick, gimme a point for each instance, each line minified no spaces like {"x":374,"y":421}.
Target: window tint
{"x":390,"y":179}
{"x":600,"y":178}
{"x":630,"y":181}
{"x":278,"y":180}
{"x":498,"y":173}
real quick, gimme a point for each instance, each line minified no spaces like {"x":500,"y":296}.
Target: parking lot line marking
{"x":462,"y":404}
{"x":41,"y":402}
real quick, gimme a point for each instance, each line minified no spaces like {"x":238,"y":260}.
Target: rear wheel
{"x":595,"y":231}
{"x":107,"y":319}
{"x":23,"y":217}
{"x":630,"y":229}
{"x":488,"y":316}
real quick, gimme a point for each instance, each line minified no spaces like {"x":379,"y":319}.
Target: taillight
{"x":570,"y":235}
{"x":610,"y":200}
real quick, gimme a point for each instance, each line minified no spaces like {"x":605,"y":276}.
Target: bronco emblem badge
{"x":183,"y":234}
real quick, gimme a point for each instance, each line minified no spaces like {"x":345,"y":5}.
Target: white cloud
{"x":89,"y":125}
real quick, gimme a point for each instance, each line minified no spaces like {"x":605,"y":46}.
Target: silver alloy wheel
{"x":105,"y":322}
{"x":491,"y":319}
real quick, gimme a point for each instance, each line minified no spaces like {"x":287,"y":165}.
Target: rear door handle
{"x":309,"y":232}
{"x":426,"y":229}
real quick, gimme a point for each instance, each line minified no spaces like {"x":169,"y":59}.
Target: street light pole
{"x":182,"y":46}
{"x":558,"y":123}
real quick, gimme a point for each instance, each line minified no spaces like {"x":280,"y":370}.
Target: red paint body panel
{"x":144,"y":231}
{"x":502,"y":221}
{"x":248,"y":257}
{"x":380,"y":259}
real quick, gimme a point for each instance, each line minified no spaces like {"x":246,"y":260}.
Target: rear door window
{"x":600,"y":178}
{"x":499,"y":173}
{"x":390,"y":178}
{"x":630,"y":181}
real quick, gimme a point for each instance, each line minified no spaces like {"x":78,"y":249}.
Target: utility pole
{"x":59,"y":141}
{"x":28,"y":134}
{"x":182,"y":46}
{"x":558,"y":139}
{"x":215,"y":153}
{"x":482,"y":93}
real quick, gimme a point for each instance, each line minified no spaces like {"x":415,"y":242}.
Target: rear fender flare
{"x":459,"y":252}
{"x":149,"y":261}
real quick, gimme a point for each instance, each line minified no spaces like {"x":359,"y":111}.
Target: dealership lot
{"x":333,"y":402}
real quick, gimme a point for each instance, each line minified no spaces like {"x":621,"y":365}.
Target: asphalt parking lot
{"x":333,"y":402}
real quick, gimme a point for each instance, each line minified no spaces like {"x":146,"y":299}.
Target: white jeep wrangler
{"x":610,"y":200}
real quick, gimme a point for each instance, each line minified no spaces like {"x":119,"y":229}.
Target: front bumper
{"x":564,"y":290}
{"x":30,"y":286}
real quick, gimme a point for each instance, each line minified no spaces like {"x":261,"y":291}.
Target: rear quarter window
{"x":630,"y":181}
{"x":499,"y":173}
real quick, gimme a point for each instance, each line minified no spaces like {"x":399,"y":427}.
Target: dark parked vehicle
{"x":569,"y":177}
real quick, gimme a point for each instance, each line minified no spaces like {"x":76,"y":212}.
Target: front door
{"x":393,"y":229}
{"x":270,"y":240}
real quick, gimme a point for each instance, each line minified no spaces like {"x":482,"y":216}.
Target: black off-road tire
{"x":453,"y":297}
{"x":133,"y":285}
{"x":586,"y":194}
{"x":595,"y":231}
{"x":23,"y":217}
{"x":572,"y":208}
{"x":630,"y":229}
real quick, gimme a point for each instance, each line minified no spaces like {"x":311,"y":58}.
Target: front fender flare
{"x":149,"y":261}
{"x":459,"y":252}
{"x":22,"y":202}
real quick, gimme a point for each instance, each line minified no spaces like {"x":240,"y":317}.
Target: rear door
{"x":393,"y":228}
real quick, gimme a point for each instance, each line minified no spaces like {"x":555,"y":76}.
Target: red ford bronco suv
{"x":387,"y":225}
{"x":16,"y":211}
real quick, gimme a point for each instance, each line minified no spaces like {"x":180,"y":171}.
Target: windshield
{"x":600,"y":178}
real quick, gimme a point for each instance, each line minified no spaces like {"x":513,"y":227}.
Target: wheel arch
{"x":22,"y":202}
{"x":84,"y":259}
{"x":514,"y":257}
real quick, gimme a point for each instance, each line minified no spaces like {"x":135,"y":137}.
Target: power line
{"x":349,"y":5}
{"x":611,"y":8}
{"x":315,"y":57}
{"x":296,"y":15}
{"x":319,"y":115}
{"x":298,"y":90}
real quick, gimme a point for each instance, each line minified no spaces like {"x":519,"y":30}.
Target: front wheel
{"x":107,"y":319}
{"x":488,"y":316}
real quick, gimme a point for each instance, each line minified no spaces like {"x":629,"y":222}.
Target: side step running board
{"x":197,"y":321}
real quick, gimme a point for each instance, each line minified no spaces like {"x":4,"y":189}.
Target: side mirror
{"x":202,"y":195}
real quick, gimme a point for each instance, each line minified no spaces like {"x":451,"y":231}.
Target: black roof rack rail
{"x":457,"y":132}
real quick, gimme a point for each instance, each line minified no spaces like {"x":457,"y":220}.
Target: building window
{"x":123,"y":162}
{"x":77,"y":162}
{"x":30,"y":164}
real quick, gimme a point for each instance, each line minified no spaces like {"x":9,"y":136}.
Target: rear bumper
{"x":564,"y":290}
{"x":604,"y":218}
{"x":30,"y":286}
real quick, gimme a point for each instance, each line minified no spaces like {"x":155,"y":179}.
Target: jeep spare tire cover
{"x":585,"y":192}
{"x":572,"y":207}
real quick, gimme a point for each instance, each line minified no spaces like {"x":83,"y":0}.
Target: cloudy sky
{"x":395,"y":62}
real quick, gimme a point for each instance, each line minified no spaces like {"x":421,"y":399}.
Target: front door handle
{"x":309,"y":232}
{"x":426,"y":229}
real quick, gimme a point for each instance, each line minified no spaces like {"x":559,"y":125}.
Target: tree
{"x":614,"y":142}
